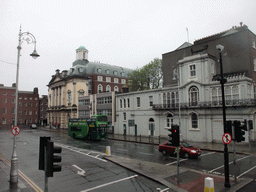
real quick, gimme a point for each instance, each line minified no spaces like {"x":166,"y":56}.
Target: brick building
{"x":43,"y":105}
{"x":28,"y":106}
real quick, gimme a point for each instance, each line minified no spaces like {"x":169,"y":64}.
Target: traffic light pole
{"x":45,"y":165}
{"x":234,"y":149}
{"x":178,"y":164}
{"x":226,"y":161}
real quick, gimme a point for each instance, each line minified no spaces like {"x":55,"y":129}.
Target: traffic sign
{"x":15,"y":130}
{"x":226,"y":138}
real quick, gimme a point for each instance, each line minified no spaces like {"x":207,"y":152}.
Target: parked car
{"x":33,"y":126}
{"x":186,"y":150}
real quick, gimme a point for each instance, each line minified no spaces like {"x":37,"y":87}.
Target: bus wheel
{"x":74,"y":135}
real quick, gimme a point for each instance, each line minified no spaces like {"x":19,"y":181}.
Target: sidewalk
{"x":5,"y":178}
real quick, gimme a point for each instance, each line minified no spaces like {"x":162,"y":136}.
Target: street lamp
{"x":29,"y":38}
{"x":176,"y":76}
{"x":220,"y":48}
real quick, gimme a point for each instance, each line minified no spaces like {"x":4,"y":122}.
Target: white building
{"x":199,"y":95}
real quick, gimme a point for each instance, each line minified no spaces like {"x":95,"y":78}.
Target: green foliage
{"x":149,"y":76}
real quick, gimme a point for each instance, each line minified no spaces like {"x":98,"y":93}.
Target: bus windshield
{"x":102,"y":118}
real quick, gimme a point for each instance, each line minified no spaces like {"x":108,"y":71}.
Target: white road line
{"x":207,"y":154}
{"x":229,"y":163}
{"x":246,"y":171}
{"x":68,"y":147}
{"x":110,"y":183}
{"x":176,"y":161}
{"x":146,"y":153}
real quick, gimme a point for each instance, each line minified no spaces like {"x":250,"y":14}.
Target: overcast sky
{"x":118,"y":32}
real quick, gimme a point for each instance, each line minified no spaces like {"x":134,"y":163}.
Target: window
{"x":138,"y":101}
{"x":4,"y":110}
{"x":123,"y":81}
{"x":107,"y":71}
{"x":100,"y":89}
{"x":13,"y":100}
{"x":3,"y":121}
{"x":25,"y":104}
{"x":169,"y":120}
{"x":30,"y":104}
{"x":114,"y":72}
{"x":100,"y":78}
{"x":4,"y":100}
{"x":193,"y":96}
{"x":115,"y":80}
{"x":4,"y":93}
{"x":99,"y":70}
{"x":194,"y":121}
{"x":192,"y":69}
{"x":122,"y":74}
{"x":108,"y":79}
{"x":128,"y":103}
{"x":30,"y":112}
{"x":121,"y":105}
{"x":124,"y":116}
{"x":116,"y":89}
{"x":81,"y":92}
{"x":13,"y":110}
{"x":150,"y":100}
{"x":13,"y":94}
{"x":30,"y":98}
{"x":108,"y":89}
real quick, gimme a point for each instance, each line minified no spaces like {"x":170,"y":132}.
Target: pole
{"x":178,"y":164}
{"x":45,"y":168}
{"x":14,"y":160}
{"x":226,"y":161}
{"x":234,"y":151}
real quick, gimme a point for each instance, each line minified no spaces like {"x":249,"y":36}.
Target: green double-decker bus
{"x":94,"y":128}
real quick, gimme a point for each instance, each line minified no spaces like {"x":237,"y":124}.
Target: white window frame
{"x":100,"y":78}
{"x":192,"y":70}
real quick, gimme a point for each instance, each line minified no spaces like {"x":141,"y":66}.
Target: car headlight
{"x":193,"y":151}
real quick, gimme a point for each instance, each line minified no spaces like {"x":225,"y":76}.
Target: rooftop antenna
{"x":187,"y":34}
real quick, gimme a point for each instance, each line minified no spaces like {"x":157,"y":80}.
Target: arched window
{"x":151,"y":127}
{"x":100,"y":88}
{"x":194,"y":121}
{"x":116,"y":89}
{"x":193,"y":96}
{"x":108,"y":88}
{"x":169,"y":120}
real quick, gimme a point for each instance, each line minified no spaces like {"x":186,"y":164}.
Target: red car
{"x":186,"y":150}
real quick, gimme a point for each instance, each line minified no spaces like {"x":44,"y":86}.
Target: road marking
{"x":229,"y":163}
{"x":176,"y":162}
{"x":110,"y":183}
{"x":146,"y":153}
{"x":207,"y":154}
{"x":81,"y":172}
{"x":77,"y":150}
{"x":246,"y":172}
{"x":25,"y":178}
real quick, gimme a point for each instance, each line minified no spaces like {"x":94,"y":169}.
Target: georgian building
{"x":83,"y":79}
{"x":192,"y":95}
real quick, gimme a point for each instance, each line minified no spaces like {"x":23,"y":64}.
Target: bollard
{"x":208,"y":184}
{"x":108,"y":151}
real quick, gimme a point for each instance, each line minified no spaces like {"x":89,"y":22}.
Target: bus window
{"x":102,"y":118}
{"x":76,"y":129}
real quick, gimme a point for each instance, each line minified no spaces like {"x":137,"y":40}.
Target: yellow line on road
{"x":31,"y":183}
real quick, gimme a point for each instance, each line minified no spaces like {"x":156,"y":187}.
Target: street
{"x":85,"y":169}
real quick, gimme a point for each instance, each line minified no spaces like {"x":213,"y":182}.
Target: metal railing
{"x":206,"y":104}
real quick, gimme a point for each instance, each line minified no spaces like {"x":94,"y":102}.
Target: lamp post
{"x":176,"y":75}
{"x":29,"y":38}
{"x":220,"y":48}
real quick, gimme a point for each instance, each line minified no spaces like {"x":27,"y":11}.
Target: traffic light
{"x":174,"y":137}
{"x":239,"y":127}
{"x":250,"y":124}
{"x":51,"y":159}
{"x":42,"y":146}
{"x":229,"y":127}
